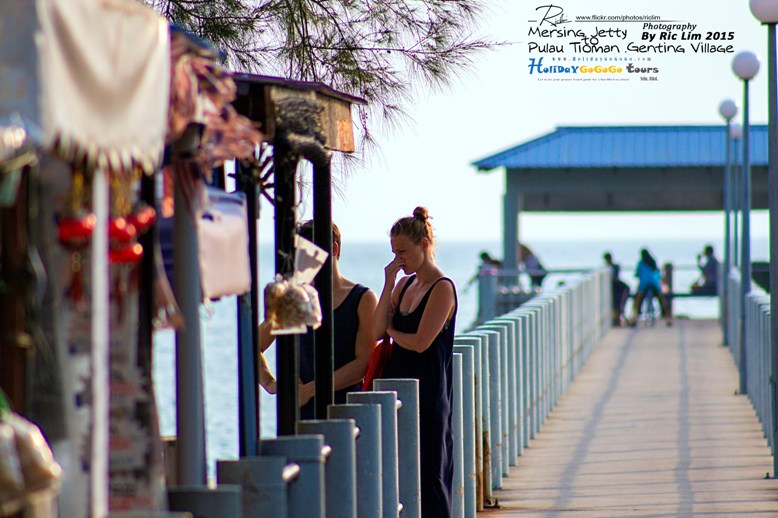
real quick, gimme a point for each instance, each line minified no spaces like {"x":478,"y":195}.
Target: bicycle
{"x":648,"y":307}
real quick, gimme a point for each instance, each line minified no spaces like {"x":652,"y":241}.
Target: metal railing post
{"x":340,"y":472}
{"x":475,"y":342}
{"x":408,"y":470}
{"x":306,"y":497}
{"x":388,"y":403}
{"x":263,"y":488}
{"x":468,"y":427}
{"x":368,"y":448}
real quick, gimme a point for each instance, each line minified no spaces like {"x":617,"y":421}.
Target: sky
{"x":497,"y":104}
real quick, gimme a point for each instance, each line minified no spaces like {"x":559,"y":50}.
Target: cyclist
{"x":648,"y":276}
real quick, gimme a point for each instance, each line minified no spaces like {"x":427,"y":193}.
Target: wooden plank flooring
{"x":651,"y":427}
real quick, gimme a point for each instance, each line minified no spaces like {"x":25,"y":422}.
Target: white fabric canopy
{"x":105,"y":81}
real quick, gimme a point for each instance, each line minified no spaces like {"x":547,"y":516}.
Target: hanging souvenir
{"x":292,"y":304}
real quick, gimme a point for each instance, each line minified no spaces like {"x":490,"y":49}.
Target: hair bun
{"x":421,"y":213}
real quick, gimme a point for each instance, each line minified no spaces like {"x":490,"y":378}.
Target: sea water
{"x":364,"y":263}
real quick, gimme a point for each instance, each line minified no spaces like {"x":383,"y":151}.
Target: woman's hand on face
{"x":391,"y":269}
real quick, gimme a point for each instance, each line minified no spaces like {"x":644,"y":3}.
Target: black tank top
{"x":345,"y":325}
{"x":432,"y":368}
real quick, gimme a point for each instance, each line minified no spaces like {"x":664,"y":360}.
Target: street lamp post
{"x":766,"y":11}
{"x":736,"y":132}
{"x":727,"y":109}
{"x":745,"y":65}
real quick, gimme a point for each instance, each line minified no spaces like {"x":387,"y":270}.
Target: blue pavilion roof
{"x":626,"y":146}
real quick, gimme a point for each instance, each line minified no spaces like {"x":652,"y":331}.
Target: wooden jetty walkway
{"x":651,"y":426}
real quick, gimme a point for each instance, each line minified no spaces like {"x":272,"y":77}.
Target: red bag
{"x":378,"y":360}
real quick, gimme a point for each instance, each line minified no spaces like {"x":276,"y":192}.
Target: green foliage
{"x":380,"y":50}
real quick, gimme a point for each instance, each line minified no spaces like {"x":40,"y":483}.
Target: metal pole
{"x":146,"y":283}
{"x":369,"y":474}
{"x":248,"y":323}
{"x":323,"y":336}
{"x":285,"y":163}
{"x":725,"y":275}
{"x":736,"y":202}
{"x":745,"y":263}
{"x":190,"y":404}
{"x":468,"y":427}
{"x":305,"y":498}
{"x":387,"y":402}
{"x":340,"y":488}
{"x":263,"y":487}
{"x":408,"y":470}
{"x":100,"y":295}
{"x":458,"y":492}
{"x":772,"y":190}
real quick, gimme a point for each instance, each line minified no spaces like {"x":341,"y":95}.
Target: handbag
{"x":377,"y":362}
{"x":224,"y":245}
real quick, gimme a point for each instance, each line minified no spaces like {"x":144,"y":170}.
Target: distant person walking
{"x":488,"y":265}
{"x":532,"y":266}
{"x":419,"y":314}
{"x":707,"y":284}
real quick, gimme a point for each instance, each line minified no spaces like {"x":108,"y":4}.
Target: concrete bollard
{"x":468,"y":427}
{"x":263,"y":488}
{"x":458,"y":485}
{"x":340,"y":484}
{"x":368,"y":447}
{"x":203,"y":502}
{"x":408,"y":462}
{"x":388,"y":402}
{"x":306,"y":495}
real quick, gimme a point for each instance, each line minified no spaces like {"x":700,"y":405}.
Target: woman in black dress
{"x":419,"y":314}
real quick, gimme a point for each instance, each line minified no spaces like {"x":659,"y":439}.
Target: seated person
{"x":648,"y":276}
{"x":619,"y":290}
{"x":707,"y":284}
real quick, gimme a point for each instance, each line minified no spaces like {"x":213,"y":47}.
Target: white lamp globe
{"x":766,"y":11}
{"x":745,"y":65}
{"x":728,"y":109}
{"x":736,"y":131}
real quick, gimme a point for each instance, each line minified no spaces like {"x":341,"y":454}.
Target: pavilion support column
{"x":511,"y":208}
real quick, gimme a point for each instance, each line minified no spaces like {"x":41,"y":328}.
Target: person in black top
{"x":354,"y":306}
{"x":419,"y":314}
{"x":709,"y":270}
{"x":619,"y":289}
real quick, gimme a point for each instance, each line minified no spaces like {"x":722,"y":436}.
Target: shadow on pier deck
{"x":651,"y":426}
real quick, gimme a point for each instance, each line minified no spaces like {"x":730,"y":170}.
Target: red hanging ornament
{"x":120,"y":230}
{"x":75,"y":232}
{"x":143,"y":219}
{"x":126,"y":255}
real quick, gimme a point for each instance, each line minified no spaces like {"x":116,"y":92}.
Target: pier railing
{"x":525,"y":359}
{"x":753,"y":357}
{"x":508,"y":374}
{"x":501,"y":290}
